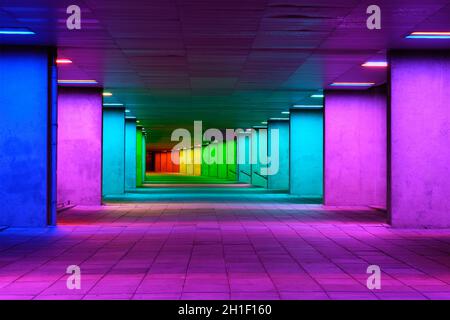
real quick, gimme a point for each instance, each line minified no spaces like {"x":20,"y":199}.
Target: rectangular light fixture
{"x":352,"y":84}
{"x":317,"y":96}
{"x":113,"y":104}
{"x":305,"y":106}
{"x":77,"y":82}
{"x":429,"y":35}
{"x":127,"y":111}
{"x":107,"y":94}
{"x":285,"y":112}
{"x":63,"y":61}
{"x":264,"y":122}
{"x":16,"y":31}
{"x":279,"y":119}
{"x":375,"y":64}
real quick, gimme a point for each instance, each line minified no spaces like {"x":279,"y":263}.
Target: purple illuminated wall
{"x":420,"y":139}
{"x":355,"y":148}
{"x":79,"y":146}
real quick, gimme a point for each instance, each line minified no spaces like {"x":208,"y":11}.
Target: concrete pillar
{"x":419,"y":132}
{"x":113,"y":151}
{"x":79,"y":146}
{"x":306,"y":153}
{"x":144,"y":156}
{"x":130,"y":153}
{"x":231,"y":160}
{"x":197,"y":161}
{"x":258,"y":153}
{"x":183,"y":166}
{"x":28,"y":117}
{"x":280,"y":180}
{"x":355,"y":148}
{"x":205,"y":161}
{"x":222,"y":168}
{"x":139,"y":157}
{"x":244,"y":157}
{"x":213,"y":168}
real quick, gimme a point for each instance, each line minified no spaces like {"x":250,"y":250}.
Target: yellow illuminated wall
{"x":197,"y":161}
{"x":183,"y":169}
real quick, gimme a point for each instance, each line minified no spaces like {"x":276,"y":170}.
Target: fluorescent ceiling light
{"x":285,"y":112}
{"x":429,"y":35}
{"x":16,"y":31}
{"x":317,"y":96}
{"x":264,"y":122}
{"x":113,"y":104}
{"x":63,"y":61}
{"x":303,"y":106}
{"x":375,"y":64}
{"x":352,"y":84}
{"x":107,"y":94}
{"x":279,"y":119}
{"x":77,"y":82}
{"x":127,"y":111}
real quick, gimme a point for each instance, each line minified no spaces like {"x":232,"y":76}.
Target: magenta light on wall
{"x":352,"y":84}
{"x":77,"y":82}
{"x":375,"y":64}
{"x":63,"y":61}
{"x":429,"y":35}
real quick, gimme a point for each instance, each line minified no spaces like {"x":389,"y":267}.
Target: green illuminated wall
{"x":139,"y":156}
{"x":231,"y":151}
{"x":205,"y":159}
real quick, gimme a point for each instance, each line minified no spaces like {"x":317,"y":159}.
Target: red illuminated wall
{"x":164,"y":163}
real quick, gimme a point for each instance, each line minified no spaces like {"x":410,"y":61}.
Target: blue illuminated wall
{"x":113,"y":177}
{"x":27,"y":137}
{"x":280,"y":180}
{"x":130,"y":154}
{"x":306,"y":153}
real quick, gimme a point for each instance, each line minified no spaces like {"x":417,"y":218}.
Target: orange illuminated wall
{"x":157,"y":162}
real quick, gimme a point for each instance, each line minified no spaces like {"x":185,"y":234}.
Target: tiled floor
{"x":247,"y":249}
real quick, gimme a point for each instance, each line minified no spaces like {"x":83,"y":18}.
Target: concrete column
{"x":258,"y":152}
{"x":28,"y":120}
{"x":79,"y":146}
{"x":130,"y":153}
{"x":244,"y":158}
{"x":205,"y":161}
{"x":144,"y":156}
{"x":197,"y":161}
{"x":139,"y":157}
{"x":231,"y":160}
{"x":306,"y":153}
{"x":355,"y":148}
{"x":419,"y":132}
{"x":113,"y":151}
{"x":280,"y":180}
{"x":222,"y":168}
